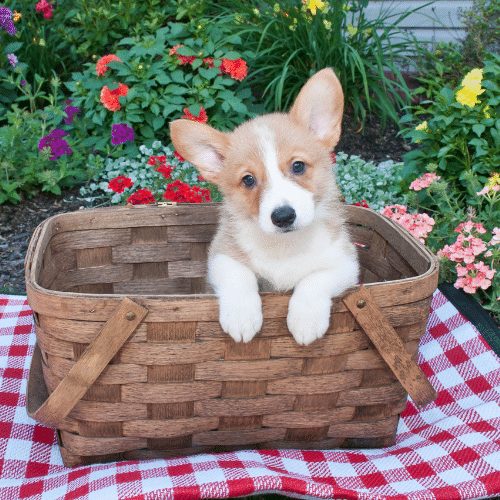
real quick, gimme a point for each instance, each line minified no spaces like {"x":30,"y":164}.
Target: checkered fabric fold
{"x":451,"y":449}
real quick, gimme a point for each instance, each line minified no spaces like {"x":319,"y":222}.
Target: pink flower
{"x":465,"y":249}
{"x":470,"y":227}
{"x":424,"y":181}
{"x":474,"y":276}
{"x":419,"y":225}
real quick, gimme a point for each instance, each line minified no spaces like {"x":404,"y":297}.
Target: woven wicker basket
{"x":130,"y":350}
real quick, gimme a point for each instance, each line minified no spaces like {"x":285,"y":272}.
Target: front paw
{"x":241,"y":319}
{"x":308,"y":320}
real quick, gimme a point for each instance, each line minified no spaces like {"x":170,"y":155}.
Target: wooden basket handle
{"x":54,"y":408}
{"x":389,"y":345}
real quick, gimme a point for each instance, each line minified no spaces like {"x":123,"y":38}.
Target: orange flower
{"x":110,"y":99}
{"x":235,"y":68}
{"x":102,"y":64}
{"x":201,"y":118}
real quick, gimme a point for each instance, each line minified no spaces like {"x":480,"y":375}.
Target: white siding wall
{"x":438,"y":22}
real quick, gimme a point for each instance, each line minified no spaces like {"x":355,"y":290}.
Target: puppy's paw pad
{"x":241,"y":319}
{"x":308,"y":323}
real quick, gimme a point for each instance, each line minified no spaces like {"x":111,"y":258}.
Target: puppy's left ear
{"x":320,"y":105}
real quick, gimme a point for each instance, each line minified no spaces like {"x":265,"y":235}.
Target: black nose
{"x":283,"y":216}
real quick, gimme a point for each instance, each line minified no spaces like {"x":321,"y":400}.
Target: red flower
{"x":201,"y":118}
{"x":120,"y":183}
{"x":141,"y":197}
{"x":110,"y":99}
{"x":179,"y":157}
{"x":45,"y":8}
{"x":157,"y":160}
{"x":361,"y":203}
{"x":209,"y":61}
{"x":101,"y":65}
{"x":235,"y":68}
{"x":165,"y":170}
{"x":181,"y":192}
{"x":183,"y":60}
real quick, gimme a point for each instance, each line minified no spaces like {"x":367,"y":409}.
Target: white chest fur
{"x":285,"y":259}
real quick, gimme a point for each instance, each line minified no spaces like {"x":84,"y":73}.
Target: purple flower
{"x":6,"y":21}
{"x":58,"y":146}
{"x":23,"y":82}
{"x":70,"y":111}
{"x":120,"y":133}
{"x":12,"y":60}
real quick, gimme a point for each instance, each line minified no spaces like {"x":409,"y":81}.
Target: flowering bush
{"x":459,"y":136}
{"x":152,"y":80}
{"x":156,"y":174}
{"x":465,"y":237}
{"x":377,"y":185}
{"x":293,"y":39}
{"x":36,"y":153}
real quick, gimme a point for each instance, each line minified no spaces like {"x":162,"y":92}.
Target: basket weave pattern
{"x":179,"y":384}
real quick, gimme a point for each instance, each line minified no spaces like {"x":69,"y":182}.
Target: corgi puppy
{"x":281,"y":220}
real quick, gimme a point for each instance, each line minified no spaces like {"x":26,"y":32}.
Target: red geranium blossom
{"x":165,"y":170}
{"x":120,"y":183}
{"x":201,"y":118}
{"x":182,"y":59}
{"x":235,"y":68}
{"x":181,"y":192}
{"x":110,"y":99}
{"x":101,"y":65}
{"x":141,"y":197}
{"x":155,"y":160}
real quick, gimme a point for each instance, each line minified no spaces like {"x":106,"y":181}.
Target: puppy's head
{"x":274,"y":169}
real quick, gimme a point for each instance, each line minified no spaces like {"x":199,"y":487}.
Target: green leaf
{"x":478,"y":129}
{"x":177,"y":76}
{"x":158,"y":122}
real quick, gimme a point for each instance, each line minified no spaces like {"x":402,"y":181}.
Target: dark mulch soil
{"x":17,"y":222}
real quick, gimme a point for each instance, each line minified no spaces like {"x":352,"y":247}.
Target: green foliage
{"x":461,"y":143}
{"x":161,"y":87}
{"x":378,"y":185}
{"x":291,"y":44}
{"x":481,"y":23}
{"x":81,"y":29}
{"x":23,"y":169}
{"x":437,"y":67}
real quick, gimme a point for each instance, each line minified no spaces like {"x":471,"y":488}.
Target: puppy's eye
{"x":298,"y":167}
{"x":249,"y":181}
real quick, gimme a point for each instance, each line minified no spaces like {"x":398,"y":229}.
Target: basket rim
{"x":34,"y":249}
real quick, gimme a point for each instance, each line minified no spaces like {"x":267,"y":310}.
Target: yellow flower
{"x":314,"y":5}
{"x":473,"y":78}
{"x":467,"y":96}
{"x":423,"y":127}
{"x":351,"y":30}
{"x":486,"y":112}
{"x":16,"y":16}
{"x":471,"y":88}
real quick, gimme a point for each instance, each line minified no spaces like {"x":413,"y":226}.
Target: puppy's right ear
{"x":202,"y":145}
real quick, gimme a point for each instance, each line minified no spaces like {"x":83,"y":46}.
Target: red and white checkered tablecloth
{"x":450,"y":450}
